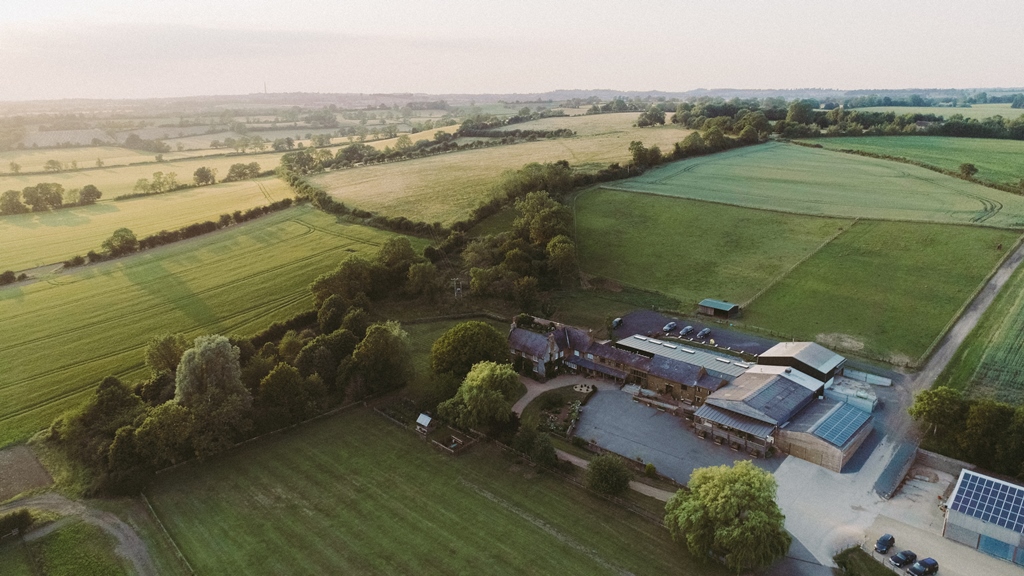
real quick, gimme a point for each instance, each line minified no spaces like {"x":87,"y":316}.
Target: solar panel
{"x":841,"y":425}
{"x":990,"y":500}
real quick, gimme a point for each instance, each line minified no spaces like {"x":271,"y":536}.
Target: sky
{"x":53,"y":49}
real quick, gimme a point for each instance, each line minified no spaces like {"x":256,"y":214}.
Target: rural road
{"x":129,"y":545}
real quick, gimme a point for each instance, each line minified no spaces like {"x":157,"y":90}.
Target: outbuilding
{"x":987,"y":514}
{"x":718,"y":308}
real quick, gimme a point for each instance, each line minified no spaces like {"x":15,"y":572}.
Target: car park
{"x":902,"y":559}
{"x":669,"y":327}
{"x":704,"y":333}
{"x":884,"y":543}
{"x":686,"y":330}
{"x":924,"y":567}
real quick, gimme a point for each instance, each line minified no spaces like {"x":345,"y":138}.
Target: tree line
{"x":45,"y":196}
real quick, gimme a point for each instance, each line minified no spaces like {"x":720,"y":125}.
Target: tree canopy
{"x":208,"y":382}
{"x":484,"y":398}
{"x":608,"y":474}
{"x":465,"y":345}
{"x":730,"y":513}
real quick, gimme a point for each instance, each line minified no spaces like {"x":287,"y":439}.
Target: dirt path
{"x":534,"y":389}
{"x":656,"y":493}
{"x":129,"y":545}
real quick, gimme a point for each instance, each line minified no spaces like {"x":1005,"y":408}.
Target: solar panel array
{"x":991,"y":501}
{"x":841,"y":425}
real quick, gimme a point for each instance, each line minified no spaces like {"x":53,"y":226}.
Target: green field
{"x":990,"y":363}
{"x":78,"y":549}
{"x":422,"y":336}
{"x":353,"y":494}
{"x":40,"y":238}
{"x":884,"y":289}
{"x":804,"y":180}
{"x":64,"y":335}
{"x":976,"y":111}
{"x":691,"y":250}
{"x":15,"y":559}
{"x":1000,"y":161}
{"x":445,"y":188}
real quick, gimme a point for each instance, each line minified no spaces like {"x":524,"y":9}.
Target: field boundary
{"x":163,"y":528}
{"x":780,"y":277}
{"x":967,"y":303}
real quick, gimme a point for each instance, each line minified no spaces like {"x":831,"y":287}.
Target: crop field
{"x":999,"y":161}
{"x":691,"y":250}
{"x":976,"y":111}
{"x":353,"y":494}
{"x":789,"y":178}
{"x":990,"y":363}
{"x":33,"y":160}
{"x":447,"y":187}
{"x":884,"y":289}
{"x":118,"y":180}
{"x":40,"y":238}
{"x":59,"y":335}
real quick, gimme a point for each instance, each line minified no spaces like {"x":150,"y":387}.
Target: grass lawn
{"x":997,"y":160}
{"x":990,"y":363}
{"x":976,"y":111}
{"x":40,"y":238}
{"x":353,"y":494}
{"x":856,"y":562}
{"x":797,"y":179}
{"x":447,"y":187}
{"x":78,"y":549}
{"x":886,"y":289}
{"x":691,"y":250}
{"x":422,"y":336}
{"x":15,"y":559}
{"x":64,"y":335}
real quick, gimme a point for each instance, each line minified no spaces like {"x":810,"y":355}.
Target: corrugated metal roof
{"x":810,"y":353}
{"x":793,"y":374}
{"x":735,"y":421}
{"x":423,"y":420}
{"x":718,"y":304}
{"x":728,"y":367}
{"x":772,"y":398}
{"x":990,"y":500}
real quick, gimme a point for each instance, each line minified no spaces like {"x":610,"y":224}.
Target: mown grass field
{"x":447,"y":187}
{"x":353,"y":494}
{"x":691,"y":250}
{"x":1000,"y":161}
{"x":78,"y":549}
{"x":790,"y":178}
{"x":990,"y":362}
{"x":64,"y":335}
{"x":885,"y":289}
{"x":976,"y":111}
{"x":15,"y":559}
{"x":39,"y":238}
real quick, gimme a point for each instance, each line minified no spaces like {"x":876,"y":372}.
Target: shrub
{"x":650,"y":471}
{"x":608,"y":474}
{"x":18,"y":520}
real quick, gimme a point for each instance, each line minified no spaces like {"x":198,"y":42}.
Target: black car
{"x":703,"y":333}
{"x":884,"y":543}
{"x":902,"y":559}
{"x":686,"y":330}
{"x":924,"y":567}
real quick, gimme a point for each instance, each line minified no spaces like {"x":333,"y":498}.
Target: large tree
{"x":942,"y":409}
{"x":730,"y":513}
{"x":465,"y":345}
{"x":208,"y":382}
{"x":122,"y":242}
{"x":608,"y":474}
{"x":382,"y":360}
{"x":163,"y":352}
{"x":10,"y":203}
{"x":485,"y":397}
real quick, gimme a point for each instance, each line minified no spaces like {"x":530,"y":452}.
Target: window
{"x":576,"y":352}
{"x":590,"y":356}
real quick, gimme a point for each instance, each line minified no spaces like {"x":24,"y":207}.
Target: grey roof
{"x":810,"y":353}
{"x":528,"y":341}
{"x":989,"y":500}
{"x":841,"y":425}
{"x":771,"y":398}
{"x":423,"y":420}
{"x":584,"y":363}
{"x":734,"y":421}
{"x":569,"y":337}
{"x":718,"y":304}
{"x":683,"y":373}
{"x":617,"y":354}
{"x":813,"y":414}
{"x":715,"y":363}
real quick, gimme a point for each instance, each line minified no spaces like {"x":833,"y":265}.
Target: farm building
{"x":719,"y":308}
{"x":827,"y":432}
{"x":807,"y":357}
{"x":987,"y":514}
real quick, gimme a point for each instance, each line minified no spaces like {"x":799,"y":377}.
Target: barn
{"x":718,"y":308}
{"x":807,"y":357}
{"x":827,"y":432}
{"x":987,"y":514}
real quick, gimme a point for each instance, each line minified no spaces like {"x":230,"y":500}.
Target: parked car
{"x":616,"y":322}
{"x":924,"y":567}
{"x":884,"y":543}
{"x":686,"y":331}
{"x":669,"y":327}
{"x":703,"y":333}
{"x":902,"y":559}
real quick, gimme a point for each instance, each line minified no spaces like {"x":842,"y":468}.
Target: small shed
{"x":424,"y":424}
{"x":719,"y":308}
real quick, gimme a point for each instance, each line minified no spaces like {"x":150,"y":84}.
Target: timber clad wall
{"x":807,"y":446}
